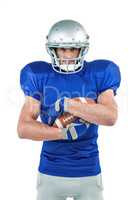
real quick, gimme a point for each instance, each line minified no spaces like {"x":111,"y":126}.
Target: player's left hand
{"x":56,"y":109}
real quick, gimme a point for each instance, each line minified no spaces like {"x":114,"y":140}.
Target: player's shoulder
{"x":100,"y":65}
{"x":37,"y":67}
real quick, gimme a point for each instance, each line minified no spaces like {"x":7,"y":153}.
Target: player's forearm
{"x":93,"y":113}
{"x":38,"y":131}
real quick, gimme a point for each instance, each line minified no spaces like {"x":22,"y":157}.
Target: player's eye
{"x":72,"y":49}
{"x":62,"y":49}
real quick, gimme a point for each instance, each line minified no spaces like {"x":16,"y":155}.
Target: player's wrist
{"x":63,"y":132}
{"x":70,"y":103}
{"x":61,"y":105}
{"x":66,"y":104}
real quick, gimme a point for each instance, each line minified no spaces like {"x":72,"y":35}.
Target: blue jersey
{"x":79,"y":157}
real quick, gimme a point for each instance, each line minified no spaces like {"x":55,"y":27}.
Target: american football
{"x":64,"y":120}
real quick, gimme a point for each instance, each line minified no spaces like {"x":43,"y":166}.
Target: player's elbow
{"x":21,"y":130}
{"x":111,"y":122}
{"x":112,"y":119}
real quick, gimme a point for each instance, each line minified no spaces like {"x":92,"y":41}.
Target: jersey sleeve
{"x":111,"y":79}
{"x":29,"y":83}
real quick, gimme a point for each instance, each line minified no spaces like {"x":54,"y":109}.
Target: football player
{"x":69,"y":160}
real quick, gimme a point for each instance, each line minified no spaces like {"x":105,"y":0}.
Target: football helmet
{"x":67,"y":34}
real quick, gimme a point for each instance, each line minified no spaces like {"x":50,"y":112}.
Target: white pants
{"x":59,"y":188}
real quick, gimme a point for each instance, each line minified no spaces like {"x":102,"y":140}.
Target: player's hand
{"x":75,"y":130}
{"x":61,"y":104}
{"x":56,"y":110}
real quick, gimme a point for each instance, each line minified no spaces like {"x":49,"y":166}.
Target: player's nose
{"x":68,"y":53}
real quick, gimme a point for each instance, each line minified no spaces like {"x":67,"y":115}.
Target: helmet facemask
{"x":67,"y":65}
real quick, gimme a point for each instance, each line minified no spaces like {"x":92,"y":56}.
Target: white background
{"x":23,"y":27}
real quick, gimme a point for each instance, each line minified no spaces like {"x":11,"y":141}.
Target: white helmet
{"x":67,"y":34}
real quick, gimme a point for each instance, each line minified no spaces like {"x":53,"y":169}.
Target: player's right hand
{"x":75,"y":130}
